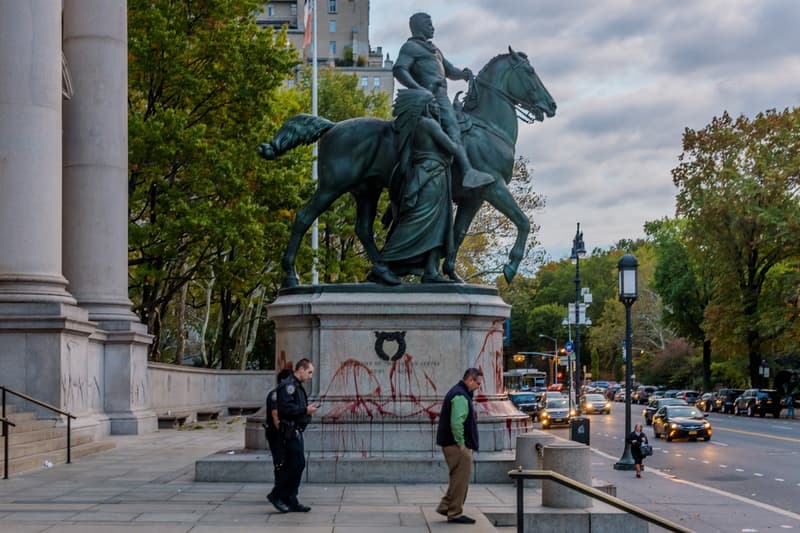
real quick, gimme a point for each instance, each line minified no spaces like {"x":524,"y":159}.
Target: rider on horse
{"x":421,"y":65}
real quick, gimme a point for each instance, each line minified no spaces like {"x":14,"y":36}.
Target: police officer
{"x":274,"y":440}
{"x":294,"y":414}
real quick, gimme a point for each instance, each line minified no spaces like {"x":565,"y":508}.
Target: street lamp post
{"x":555,"y":356}
{"x":627,"y":295}
{"x":578,"y":251}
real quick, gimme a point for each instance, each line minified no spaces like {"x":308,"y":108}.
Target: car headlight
{"x":608,"y":404}
{"x":572,"y":412}
{"x":674,"y":425}
{"x":545,"y":415}
{"x":707,"y":424}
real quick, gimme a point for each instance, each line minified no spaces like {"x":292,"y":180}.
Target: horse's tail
{"x":300,"y":129}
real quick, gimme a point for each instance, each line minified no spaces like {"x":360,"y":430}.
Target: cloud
{"x":628,"y":78}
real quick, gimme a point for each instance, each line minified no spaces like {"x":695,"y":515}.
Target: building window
{"x":376,"y":82}
{"x":332,"y":26}
{"x":270,"y":10}
{"x":364,"y":82}
{"x":332,"y":48}
{"x":293,"y":10}
{"x":331,"y":6}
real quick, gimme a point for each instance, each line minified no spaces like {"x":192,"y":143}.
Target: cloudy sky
{"x":628,"y":77}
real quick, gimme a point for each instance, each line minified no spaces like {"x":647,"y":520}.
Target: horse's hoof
{"x":383,"y":275}
{"x":509,"y":272}
{"x":455,"y":278}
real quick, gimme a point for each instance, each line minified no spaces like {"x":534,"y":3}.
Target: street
{"x":756,"y":458}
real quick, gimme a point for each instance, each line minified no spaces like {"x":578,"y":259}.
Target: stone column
{"x":30,"y":153}
{"x":96,"y":158}
{"x":96,"y":203}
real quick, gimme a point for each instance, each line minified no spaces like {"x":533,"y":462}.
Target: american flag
{"x":308,"y":11}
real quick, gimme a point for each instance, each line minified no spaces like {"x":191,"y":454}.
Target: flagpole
{"x":315,"y":149}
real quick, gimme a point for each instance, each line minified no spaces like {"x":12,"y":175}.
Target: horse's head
{"x":515,"y":77}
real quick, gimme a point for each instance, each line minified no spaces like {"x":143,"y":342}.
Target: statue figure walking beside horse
{"x":363,"y":156}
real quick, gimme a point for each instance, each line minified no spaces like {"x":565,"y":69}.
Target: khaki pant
{"x":459,"y":460}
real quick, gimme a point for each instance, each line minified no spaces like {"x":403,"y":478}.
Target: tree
{"x":684,"y":284}
{"x":203,"y":80}
{"x":737,"y":188}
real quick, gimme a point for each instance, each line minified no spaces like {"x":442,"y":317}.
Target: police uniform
{"x":292,"y":403}
{"x":273,"y":435}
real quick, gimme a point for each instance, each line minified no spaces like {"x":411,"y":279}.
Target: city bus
{"x":520,"y":379}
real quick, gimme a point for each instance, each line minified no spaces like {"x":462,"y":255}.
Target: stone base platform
{"x":255,"y":466}
{"x":600,"y":518}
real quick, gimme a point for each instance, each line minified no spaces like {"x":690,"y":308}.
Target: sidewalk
{"x":146,"y":484}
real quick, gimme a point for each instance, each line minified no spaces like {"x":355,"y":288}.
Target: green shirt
{"x":458,"y":415}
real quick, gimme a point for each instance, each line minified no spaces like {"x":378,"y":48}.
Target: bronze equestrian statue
{"x":359,"y":156}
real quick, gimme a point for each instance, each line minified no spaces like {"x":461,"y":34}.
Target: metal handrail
{"x":6,"y":422}
{"x":520,"y":475}
{"x":18,"y":394}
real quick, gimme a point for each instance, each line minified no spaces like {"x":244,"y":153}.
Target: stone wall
{"x":185,"y":391}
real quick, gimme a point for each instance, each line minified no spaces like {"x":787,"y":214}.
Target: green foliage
{"x":203,"y":82}
{"x":737,"y":189}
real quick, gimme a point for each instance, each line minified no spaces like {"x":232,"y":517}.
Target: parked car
{"x":689,"y":395}
{"x":758,"y":401}
{"x":642,"y":394}
{"x":657,"y":394}
{"x":527,"y":402}
{"x":594,"y":403}
{"x":619,"y":396}
{"x":725,"y":398}
{"x":671,"y":393}
{"x":678,"y":421}
{"x":612,"y":391}
{"x":706,"y":402}
{"x":555,"y":413}
{"x":656,"y":404}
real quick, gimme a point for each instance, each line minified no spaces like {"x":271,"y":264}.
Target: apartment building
{"x":342,"y":38}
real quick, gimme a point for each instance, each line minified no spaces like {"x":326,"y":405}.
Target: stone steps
{"x":59,"y":456}
{"x":34,"y":443}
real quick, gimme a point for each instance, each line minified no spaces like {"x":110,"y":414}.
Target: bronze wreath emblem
{"x":397,"y":336}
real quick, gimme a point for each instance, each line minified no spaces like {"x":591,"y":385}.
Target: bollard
{"x":573,"y":460}
{"x":529,"y":453}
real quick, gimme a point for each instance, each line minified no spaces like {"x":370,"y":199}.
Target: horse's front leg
{"x":500,"y":197}
{"x":366,"y":210}
{"x":465,"y":213}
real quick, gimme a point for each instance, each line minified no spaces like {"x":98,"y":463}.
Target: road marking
{"x":706,"y":462}
{"x":757,"y":474}
{"x":753,"y":433}
{"x":743,"y":499}
{"x":678,"y":455}
{"x":692,"y":459}
{"x":719,"y":443}
{"x":740,"y":470}
{"x":779,"y":479}
{"x":723,"y":466}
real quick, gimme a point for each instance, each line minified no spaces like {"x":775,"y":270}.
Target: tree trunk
{"x":706,"y":365}
{"x":180,"y":346}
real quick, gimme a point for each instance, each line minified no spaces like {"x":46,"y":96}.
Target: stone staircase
{"x":32,"y":443}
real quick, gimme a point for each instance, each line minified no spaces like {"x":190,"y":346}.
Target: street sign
{"x":569,"y":347}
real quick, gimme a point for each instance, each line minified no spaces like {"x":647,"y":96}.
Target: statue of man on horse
{"x":364,"y":156}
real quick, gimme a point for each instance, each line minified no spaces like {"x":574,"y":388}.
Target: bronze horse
{"x":358,"y":156}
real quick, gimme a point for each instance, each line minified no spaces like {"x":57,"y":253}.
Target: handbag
{"x":646,"y":449}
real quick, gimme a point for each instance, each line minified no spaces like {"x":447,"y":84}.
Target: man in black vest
{"x":294,"y":414}
{"x":458,"y":436}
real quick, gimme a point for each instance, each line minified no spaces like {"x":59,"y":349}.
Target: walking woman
{"x":635,"y":439}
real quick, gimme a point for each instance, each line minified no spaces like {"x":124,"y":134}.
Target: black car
{"x":679,"y":421}
{"x":527,"y":402}
{"x":654,"y":405}
{"x":706,"y":402}
{"x":758,"y":402}
{"x":642,"y":394}
{"x":723,"y":402}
